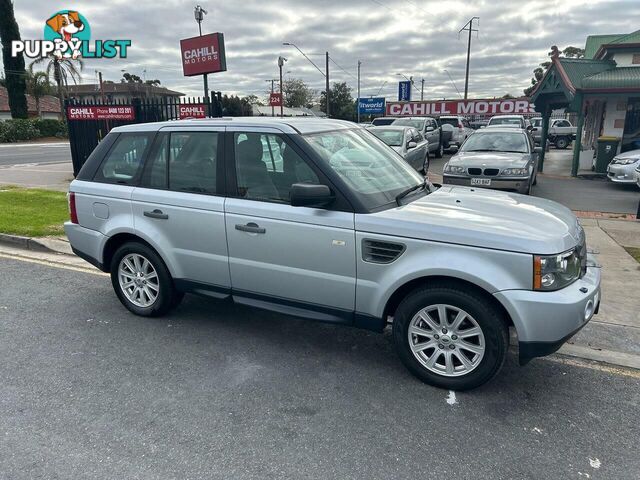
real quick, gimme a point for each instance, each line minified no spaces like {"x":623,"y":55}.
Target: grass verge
{"x":32,"y":212}
{"x":634,"y":252}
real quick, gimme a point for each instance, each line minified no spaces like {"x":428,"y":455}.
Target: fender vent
{"x":374,"y":251}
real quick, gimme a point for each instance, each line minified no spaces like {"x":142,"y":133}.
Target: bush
{"x":18,"y":129}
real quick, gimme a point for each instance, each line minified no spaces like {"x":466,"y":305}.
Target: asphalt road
{"x":34,"y":153}
{"x":220,"y":391}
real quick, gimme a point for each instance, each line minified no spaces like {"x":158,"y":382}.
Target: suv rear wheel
{"x":450,"y":338}
{"x":142,"y":281}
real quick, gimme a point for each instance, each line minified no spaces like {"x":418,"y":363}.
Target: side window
{"x":266,"y":167}
{"x":124,"y":160}
{"x":155,"y":170}
{"x":193,"y":161}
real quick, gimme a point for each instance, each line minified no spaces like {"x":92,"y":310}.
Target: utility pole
{"x":101,"y":87}
{"x":327,"y":95}
{"x":422,"y":90}
{"x":358,"y":102}
{"x":281,"y":61}
{"x":199,"y":14}
{"x":468,"y":26}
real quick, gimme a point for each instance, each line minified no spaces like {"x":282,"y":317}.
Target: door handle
{"x":156,"y":214}
{"x":251,"y":228}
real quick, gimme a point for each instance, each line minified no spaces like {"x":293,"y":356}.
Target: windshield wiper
{"x":406,"y":192}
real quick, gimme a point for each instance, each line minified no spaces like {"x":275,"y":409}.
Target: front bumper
{"x":622,"y":173}
{"x":546,"y":320}
{"x":520,"y":185}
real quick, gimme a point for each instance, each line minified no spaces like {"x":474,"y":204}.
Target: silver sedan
{"x":622,"y":167}
{"x":408,"y":142}
{"x":500,"y":158}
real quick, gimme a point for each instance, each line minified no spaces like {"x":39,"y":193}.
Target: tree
{"x":130,"y":78}
{"x":60,"y":70}
{"x":153,"y":83}
{"x":38,"y":85}
{"x":13,"y":66}
{"x":297,"y":93}
{"x":539,"y":71}
{"x":234,"y":106}
{"x":343,"y":105}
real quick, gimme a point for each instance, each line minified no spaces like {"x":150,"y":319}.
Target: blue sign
{"x":371,"y":106}
{"x":404,"y":91}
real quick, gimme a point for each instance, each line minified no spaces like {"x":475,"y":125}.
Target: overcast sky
{"x":413,"y":37}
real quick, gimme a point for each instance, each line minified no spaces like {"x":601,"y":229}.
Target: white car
{"x":515,"y":121}
{"x":637,"y":174}
{"x":622,"y":167}
{"x":461,"y":130}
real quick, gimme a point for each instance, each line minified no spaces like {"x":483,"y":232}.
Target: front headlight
{"x":553,"y":272}
{"x":625,"y":161}
{"x":515,"y":172}
{"x":453,"y":169}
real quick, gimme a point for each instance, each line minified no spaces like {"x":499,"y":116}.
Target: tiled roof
{"x":48,"y":103}
{"x":579,"y":68}
{"x":126,"y":88}
{"x":595,"y":41}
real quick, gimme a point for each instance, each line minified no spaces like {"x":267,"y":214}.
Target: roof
{"x":264,"y":110}
{"x":48,"y":103}
{"x":284,"y":124}
{"x":596,"y":45}
{"x":621,"y":77}
{"x":579,"y":68}
{"x":122,"y":87}
{"x":389,"y":127}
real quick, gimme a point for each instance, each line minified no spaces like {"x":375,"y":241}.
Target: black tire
{"x":535,"y":180}
{"x":562,"y":143}
{"x":168,"y":297}
{"x":487,"y":317}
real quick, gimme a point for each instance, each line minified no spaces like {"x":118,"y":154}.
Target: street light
{"x":324,"y":74}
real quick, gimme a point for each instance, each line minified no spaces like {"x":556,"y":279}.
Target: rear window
{"x":382,"y":121}
{"x":505,"y":121}
{"x":450,"y":121}
{"x":407,"y":122}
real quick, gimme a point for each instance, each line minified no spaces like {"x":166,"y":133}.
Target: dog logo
{"x":70,"y":27}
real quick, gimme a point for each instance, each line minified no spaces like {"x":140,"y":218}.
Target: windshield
{"x":505,"y":121}
{"x":407,"y":122}
{"x":496,"y":142}
{"x":536,"y":122}
{"x":371,"y":169}
{"x":393,"y":138}
{"x":382,"y":121}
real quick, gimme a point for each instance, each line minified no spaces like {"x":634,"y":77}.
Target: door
{"x":178,"y":207}
{"x":299,"y":257}
{"x":433,"y":135}
{"x":416,"y":155}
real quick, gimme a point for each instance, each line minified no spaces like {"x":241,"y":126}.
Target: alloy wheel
{"x":138,"y":280}
{"x":446,"y":340}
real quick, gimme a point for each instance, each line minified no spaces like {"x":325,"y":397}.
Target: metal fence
{"x":86,"y":131}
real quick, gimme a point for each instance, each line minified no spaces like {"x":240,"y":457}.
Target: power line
{"x":342,"y":68}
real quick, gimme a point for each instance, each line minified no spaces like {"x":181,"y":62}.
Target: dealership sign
{"x":96,"y":112}
{"x":194,"y":110}
{"x":275,"y":100}
{"x":516,"y":106}
{"x":404,"y":91}
{"x":204,"y":54}
{"x":371,"y":106}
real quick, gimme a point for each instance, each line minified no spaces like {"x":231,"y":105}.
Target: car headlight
{"x":515,"y":172}
{"x":453,"y":169}
{"x":625,"y":161}
{"x":553,"y":272}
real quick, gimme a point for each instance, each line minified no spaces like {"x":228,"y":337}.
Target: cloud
{"x":412,"y":37}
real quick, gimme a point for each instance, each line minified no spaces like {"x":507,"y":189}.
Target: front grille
{"x":474,"y":171}
{"x":375,"y":251}
{"x":491,"y":172}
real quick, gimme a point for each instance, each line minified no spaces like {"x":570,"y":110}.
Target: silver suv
{"x":319,"y":219}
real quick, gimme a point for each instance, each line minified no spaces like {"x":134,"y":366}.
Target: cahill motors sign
{"x":204,"y":54}
{"x":461,"y":107}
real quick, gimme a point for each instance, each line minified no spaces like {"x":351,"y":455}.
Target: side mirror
{"x":310,"y":195}
{"x":430,"y":129}
{"x":411,"y":145}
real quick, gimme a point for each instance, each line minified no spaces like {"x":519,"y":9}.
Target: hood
{"x":629,"y":154}
{"x":490,"y":159}
{"x":482,"y":218}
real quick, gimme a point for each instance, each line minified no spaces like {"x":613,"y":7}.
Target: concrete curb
{"x":607,"y":356}
{"x":36,"y":244}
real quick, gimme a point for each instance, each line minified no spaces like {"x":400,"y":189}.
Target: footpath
{"x":612,"y":336}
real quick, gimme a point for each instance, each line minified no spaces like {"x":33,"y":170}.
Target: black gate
{"x":85,"y":132}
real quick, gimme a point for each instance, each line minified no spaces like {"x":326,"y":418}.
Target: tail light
{"x":73,"y":214}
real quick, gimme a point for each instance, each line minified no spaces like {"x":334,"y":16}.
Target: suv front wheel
{"x":449,"y":337}
{"x":142,"y":281}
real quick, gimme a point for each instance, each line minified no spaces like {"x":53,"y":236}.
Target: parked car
{"x":499,"y":158}
{"x":408,"y":142}
{"x":341,"y":231}
{"x":461,"y":130}
{"x":622,"y":167}
{"x":515,"y":121}
{"x":383,"y":121}
{"x":478,"y":124}
{"x":637,"y":174}
{"x":561,"y":132}
{"x":430,"y":128}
